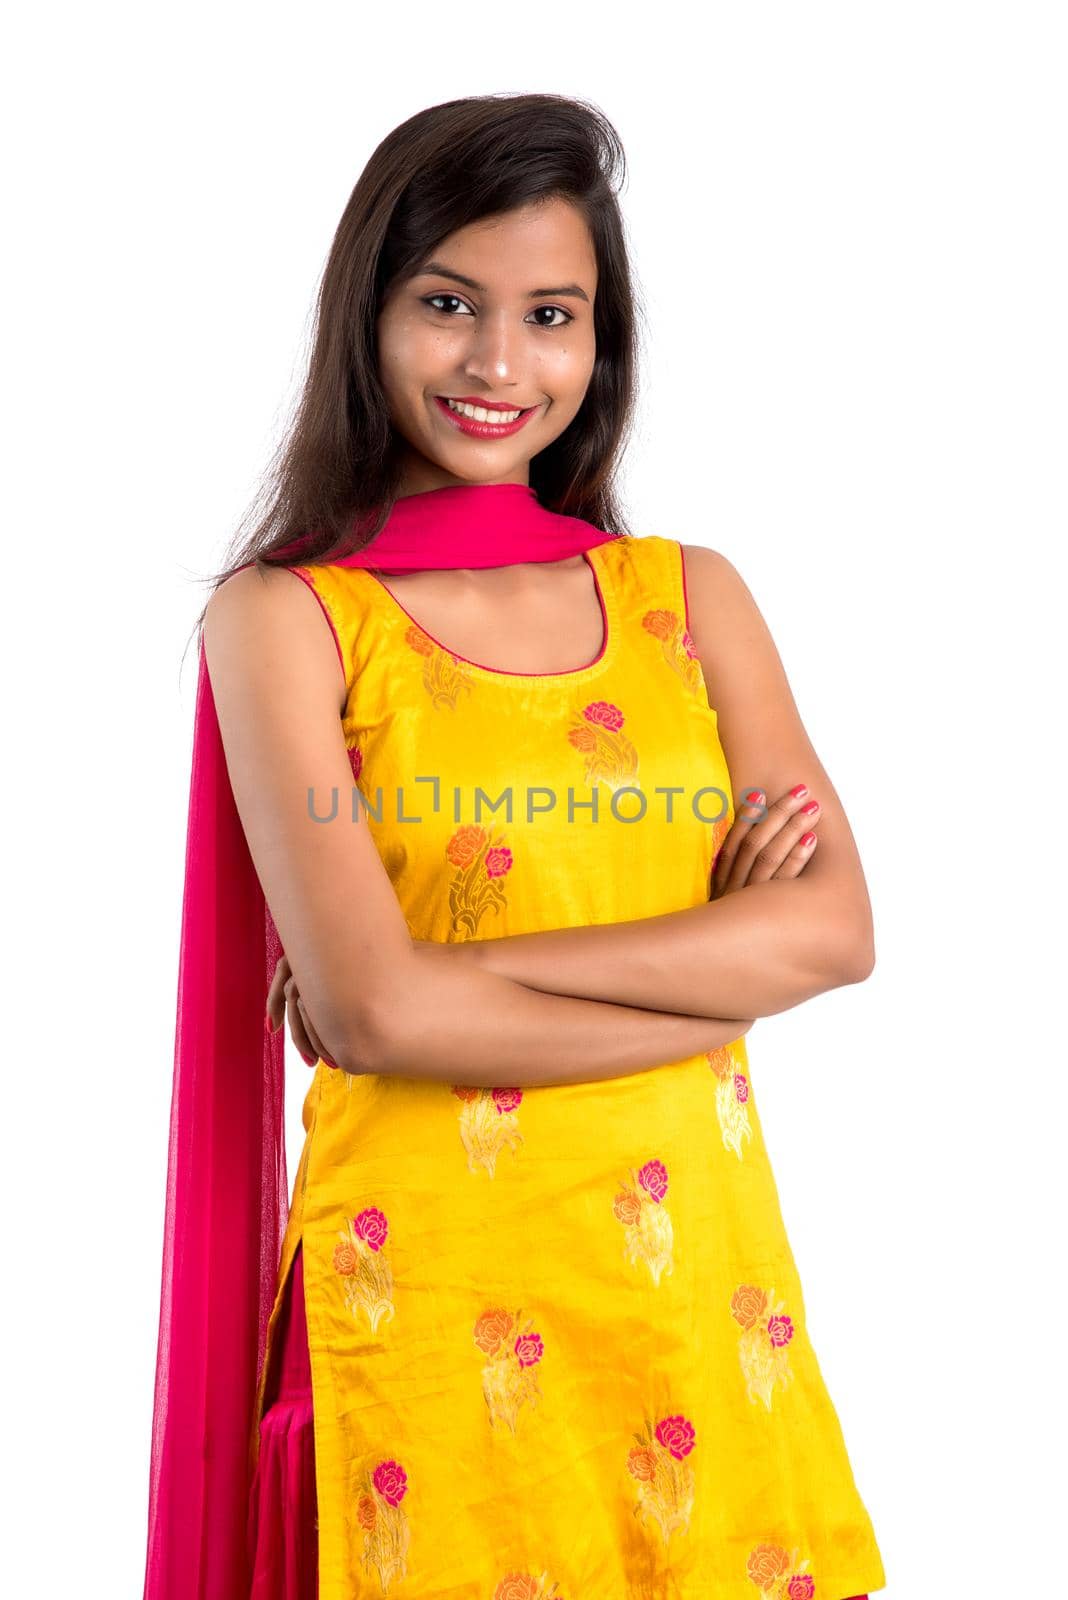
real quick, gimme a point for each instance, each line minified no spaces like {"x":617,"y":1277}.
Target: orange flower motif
{"x":345,"y":1259}
{"x":444,"y":675}
{"x":661,"y":624}
{"x":481,"y":864}
{"x":766,"y":1565}
{"x":721,"y":1061}
{"x":611,"y":757}
{"x":664,"y":1473}
{"x":417,"y":639}
{"x":386,"y":1532}
{"x":639,"y":1205}
{"x":641,"y":1464}
{"x":464,"y":1091}
{"x":748,"y":1304}
{"x":516,"y":1586}
{"x":465,"y":844}
{"x":509,"y":1376}
{"x":677,"y":645}
{"x":491,"y":1329}
{"x":764,"y":1343}
{"x":361,"y":1261}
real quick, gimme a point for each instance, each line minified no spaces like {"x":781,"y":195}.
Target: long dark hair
{"x":334,"y":477}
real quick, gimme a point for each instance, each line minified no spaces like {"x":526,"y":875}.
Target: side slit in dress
{"x":283,"y":1528}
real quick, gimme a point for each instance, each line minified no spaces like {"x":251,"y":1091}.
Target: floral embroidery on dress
{"x":762,"y":1348}
{"x":488,"y":1124}
{"x":508,"y":1378}
{"x":664,"y":1475}
{"x":640,"y":1207}
{"x":481,"y":861}
{"x":732,"y":1098}
{"x":678,"y":647}
{"x":364,"y":1268}
{"x":521,"y":1586}
{"x":780,"y":1574}
{"x":385,"y":1526}
{"x":356,"y":762}
{"x":444,"y":674}
{"x":597,"y":732}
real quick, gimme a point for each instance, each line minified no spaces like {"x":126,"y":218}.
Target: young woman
{"x":530,"y":1327}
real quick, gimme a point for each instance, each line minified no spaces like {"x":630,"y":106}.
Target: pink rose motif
{"x":371,"y":1226}
{"x":498,"y":862}
{"x":654,"y":1179}
{"x":604,"y":713}
{"x":741,"y":1088}
{"x":802,"y":1586}
{"x":676,"y":1435}
{"x":781,"y":1330}
{"x":529,"y":1349}
{"x":356,"y":761}
{"x":507,"y":1099}
{"x":391,"y":1481}
{"x":688,"y":645}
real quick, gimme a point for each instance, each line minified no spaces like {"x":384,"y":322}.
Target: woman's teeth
{"x":480,"y":414}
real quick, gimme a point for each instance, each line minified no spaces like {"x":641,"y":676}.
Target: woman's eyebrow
{"x":436,"y":270}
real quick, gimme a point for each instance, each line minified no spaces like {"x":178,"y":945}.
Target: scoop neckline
{"x":609,"y":619}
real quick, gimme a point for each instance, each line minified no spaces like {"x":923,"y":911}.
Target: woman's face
{"x":502,"y":312}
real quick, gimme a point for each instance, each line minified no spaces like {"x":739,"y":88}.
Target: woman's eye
{"x":456,"y":301}
{"x":565,"y":314}
{"x":429,"y":301}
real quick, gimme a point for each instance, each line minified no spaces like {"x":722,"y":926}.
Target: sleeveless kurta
{"x":556,"y":1334}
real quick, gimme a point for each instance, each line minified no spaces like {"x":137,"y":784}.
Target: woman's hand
{"x":755,"y":851}
{"x":283,"y":997}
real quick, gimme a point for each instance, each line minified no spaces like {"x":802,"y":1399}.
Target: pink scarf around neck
{"x":227,"y":1198}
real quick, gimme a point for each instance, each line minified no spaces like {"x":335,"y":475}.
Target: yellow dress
{"x":556,"y":1334}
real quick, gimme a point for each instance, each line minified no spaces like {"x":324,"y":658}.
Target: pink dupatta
{"x":227,"y":1190}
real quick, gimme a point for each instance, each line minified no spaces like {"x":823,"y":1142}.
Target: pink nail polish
{"x":802,"y":789}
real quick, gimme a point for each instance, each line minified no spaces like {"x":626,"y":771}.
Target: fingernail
{"x":809,"y":838}
{"x":755,"y":797}
{"x":802,"y":789}
{"x":813,"y":805}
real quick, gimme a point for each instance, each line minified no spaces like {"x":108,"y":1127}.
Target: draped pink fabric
{"x":227,"y":1189}
{"x":283,"y":1540}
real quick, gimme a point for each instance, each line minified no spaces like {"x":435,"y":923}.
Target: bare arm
{"x":379,"y":1004}
{"x":475,"y":1027}
{"x":757,"y":952}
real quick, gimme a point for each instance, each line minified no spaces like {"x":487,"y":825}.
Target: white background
{"x":848,"y":223}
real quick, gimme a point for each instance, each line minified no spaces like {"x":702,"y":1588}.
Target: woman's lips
{"x":483,"y":430}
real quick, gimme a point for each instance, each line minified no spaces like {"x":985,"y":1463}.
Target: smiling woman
{"x":529,"y":1325}
{"x":518,"y":352}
